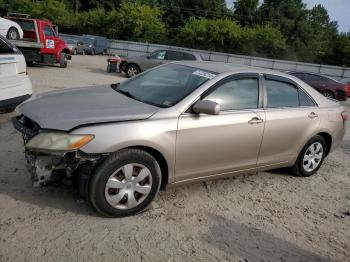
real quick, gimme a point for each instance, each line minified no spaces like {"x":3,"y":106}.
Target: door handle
{"x":255,"y":120}
{"x":313,"y":115}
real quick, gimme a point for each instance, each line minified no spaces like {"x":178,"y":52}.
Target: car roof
{"x":221,"y":67}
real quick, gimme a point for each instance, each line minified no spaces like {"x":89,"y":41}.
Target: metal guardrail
{"x":129,"y":49}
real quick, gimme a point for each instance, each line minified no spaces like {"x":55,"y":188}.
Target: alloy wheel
{"x":129,"y":186}
{"x":313,"y":157}
{"x":132,"y":71}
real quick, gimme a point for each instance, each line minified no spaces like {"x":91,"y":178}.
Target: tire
{"x":132,"y":70}
{"x":328,"y":94}
{"x":300,"y":167}
{"x":92,"y":52}
{"x":75,"y":52}
{"x":13,"y":34}
{"x":63,"y":60}
{"x":113,"y":200}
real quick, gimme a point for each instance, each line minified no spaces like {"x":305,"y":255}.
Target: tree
{"x":263,"y":40}
{"x":338,"y":51}
{"x":222,"y":35}
{"x":138,"y":22}
{"x":245,"y":12}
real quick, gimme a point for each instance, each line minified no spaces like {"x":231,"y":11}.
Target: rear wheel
{"x":92,"y":52}
{"x":13,"y":34}
{"x":328,"y":94}
{"x":63,"y":60}
{"x":132,"y":70}
{"x":125,"y":184}
{"x":311,"y":157}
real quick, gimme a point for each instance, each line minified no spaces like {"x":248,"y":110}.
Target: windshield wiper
{"x":126,"y":93}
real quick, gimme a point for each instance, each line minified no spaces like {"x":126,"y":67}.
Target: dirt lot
{"x":263,"y":217}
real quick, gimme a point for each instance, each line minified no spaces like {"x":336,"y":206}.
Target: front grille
{"x":27,"y":127}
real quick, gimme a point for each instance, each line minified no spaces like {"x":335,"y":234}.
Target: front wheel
{"x":311,"y":157}
{"x":63,"y":60}
{"x":125,"y":184}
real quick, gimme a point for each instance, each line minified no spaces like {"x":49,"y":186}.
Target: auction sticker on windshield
{"x":204,"y":74}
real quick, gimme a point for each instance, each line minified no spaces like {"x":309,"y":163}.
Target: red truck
{"x":40,"y":41}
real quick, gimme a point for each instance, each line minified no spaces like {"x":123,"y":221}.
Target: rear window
{"x":6,"y":47}
{"x":173,"y":55}
{"x":188,"y":56}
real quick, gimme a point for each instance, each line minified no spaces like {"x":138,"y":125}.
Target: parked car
{"x":327,"y":86}
{"x":40,"y":42}
{"x":138,"y":64}
{"x":10,"y":30}
{"x":76,"y":46}
{"x":95,"y":44}
{"x":178,"y":123}
{"x":347,"y":83}
{"x":15,"y":86}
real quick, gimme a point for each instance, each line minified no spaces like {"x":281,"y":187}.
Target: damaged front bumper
{"x":53,"y":166}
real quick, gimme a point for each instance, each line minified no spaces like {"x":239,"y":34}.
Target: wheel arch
{"x":132,"y":63}
{"x":161,"y":160}
{"x":328,"y":138}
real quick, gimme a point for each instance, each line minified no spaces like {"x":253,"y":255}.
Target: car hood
{"x":67,"y":109}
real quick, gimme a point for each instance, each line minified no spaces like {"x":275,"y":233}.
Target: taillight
{"x":344,"y":115}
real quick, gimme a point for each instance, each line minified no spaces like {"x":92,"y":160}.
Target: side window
{"x":298,"y":75}
{"x":237,"y":94}
{"x":188,"y":56}
{"x":159,"y":55}
{"x":173,"y":55}
{"x":304,"y":99}
{"x":281,"y":94}
{"x":311,"y":77}
{"x":48,"y":31}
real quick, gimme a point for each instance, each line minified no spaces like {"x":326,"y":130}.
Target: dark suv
{"x":325,"y":85}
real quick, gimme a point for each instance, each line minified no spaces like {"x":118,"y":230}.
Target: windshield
{"x":71,"y":42}
{"x":89,"y":41}
{"x":166,"y":85}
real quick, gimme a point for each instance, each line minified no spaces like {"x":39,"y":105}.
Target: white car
{"x":10,"y":29}
{"x":15,"y":85}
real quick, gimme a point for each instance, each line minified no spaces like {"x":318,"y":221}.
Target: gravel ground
{"x":270,"y":216}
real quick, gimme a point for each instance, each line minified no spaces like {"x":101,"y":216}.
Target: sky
{"x":339,"y":10}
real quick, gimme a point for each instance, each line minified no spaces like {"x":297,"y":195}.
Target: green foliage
{"x":225,"y":35}
{"x":283,"y":29}
{"x":245,"y":11}
{"x":138,"y":22}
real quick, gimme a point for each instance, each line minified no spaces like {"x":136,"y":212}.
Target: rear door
{"x":291,"y":118}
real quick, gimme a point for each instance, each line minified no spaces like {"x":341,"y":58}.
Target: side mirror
{"x":206,"y":107}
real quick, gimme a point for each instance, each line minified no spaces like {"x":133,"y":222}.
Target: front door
{"x":49,"y":40}
{"x":209,"y":145}
{"x":155,"y":59}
